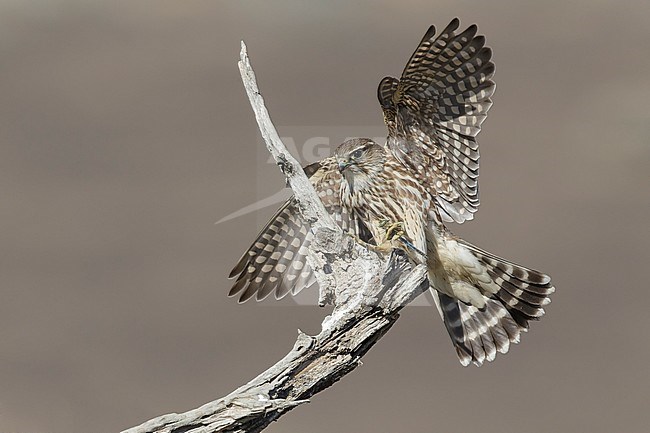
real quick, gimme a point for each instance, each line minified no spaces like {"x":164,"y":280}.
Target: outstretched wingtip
{"x":453,"y":24}
{"x":431,"y":32}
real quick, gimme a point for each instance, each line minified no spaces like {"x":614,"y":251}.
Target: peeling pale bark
{"x":368,"y":291}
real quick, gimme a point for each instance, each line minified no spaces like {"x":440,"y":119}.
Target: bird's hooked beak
{"x":343,"y":165}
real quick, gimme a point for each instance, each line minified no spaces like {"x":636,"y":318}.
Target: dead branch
{"x":369,"y":291}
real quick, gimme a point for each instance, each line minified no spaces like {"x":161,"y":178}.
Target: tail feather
{"x":451,"y":314}
{"x":533,"y":299}
{"x":487,"y":339}
{"x":482,"y":332}
{"x":475,"y":341}
{"x":499,"y":333}
{"x":520,"y":277}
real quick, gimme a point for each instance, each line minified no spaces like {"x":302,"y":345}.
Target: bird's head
{"x":359,"y":160}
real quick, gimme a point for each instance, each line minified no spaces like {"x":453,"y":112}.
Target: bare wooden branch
{"x":369,"y":291}
{"x":310,"y":205}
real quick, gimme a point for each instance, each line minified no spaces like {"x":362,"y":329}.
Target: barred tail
{"x":519,"y":296}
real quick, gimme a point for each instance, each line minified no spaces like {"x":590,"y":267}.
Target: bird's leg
{"x":368,"y":245}
{"x":395,"y":238}
{"x":383,"y":248}
{"x":363,"y":243}
{"x":392,"y":233}
{"x":393,"y":230}
{"x":388,"y":243}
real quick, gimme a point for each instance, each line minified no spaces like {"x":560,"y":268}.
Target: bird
{"x":424,"y":177}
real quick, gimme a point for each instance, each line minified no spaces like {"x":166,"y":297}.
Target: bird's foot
{"x":367,"y":245}
{"x":394,"y":231}
{"x":395,"y":238}
{"x":383,"y":248}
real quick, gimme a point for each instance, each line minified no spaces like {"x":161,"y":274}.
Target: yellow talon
{"x":394,"y":238}
{"x":394,"y":231}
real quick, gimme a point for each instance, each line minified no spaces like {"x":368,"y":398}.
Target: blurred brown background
{"x":125,"y":134}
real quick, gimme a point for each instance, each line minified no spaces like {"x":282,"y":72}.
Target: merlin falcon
{"x":426,"y":175}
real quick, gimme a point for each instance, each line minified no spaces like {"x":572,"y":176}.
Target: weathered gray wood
{"x":310,"y":205}
{"x":369,"y":291}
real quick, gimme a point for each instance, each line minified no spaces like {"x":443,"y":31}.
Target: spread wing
{"x":276,"y":262}
{"x":435,"y":111}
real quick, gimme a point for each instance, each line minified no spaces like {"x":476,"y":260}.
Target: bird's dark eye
{"x":357,"y":153}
